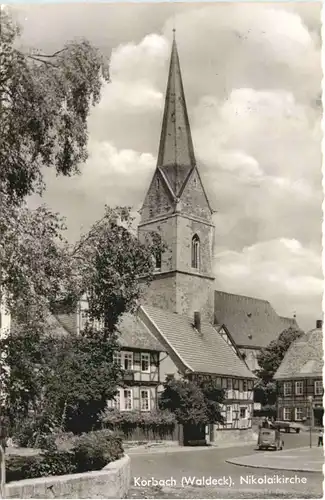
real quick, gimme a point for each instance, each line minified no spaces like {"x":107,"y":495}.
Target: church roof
{"x":203,"y":352}
{"x":176,"y":156}
{"x":252,"y":322}
{"x":304,"y":357}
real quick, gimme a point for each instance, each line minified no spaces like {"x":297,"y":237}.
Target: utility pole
{"x":310,"y":400}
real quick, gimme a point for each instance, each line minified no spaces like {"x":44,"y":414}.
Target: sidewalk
{"x":176,"y":448}
{"x":297,"y":460}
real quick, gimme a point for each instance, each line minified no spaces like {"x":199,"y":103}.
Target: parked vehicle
{"x":286,"y":426}
{"x":269,"y":438}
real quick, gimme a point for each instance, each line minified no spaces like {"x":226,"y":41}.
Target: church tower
{"x":176,"y":206}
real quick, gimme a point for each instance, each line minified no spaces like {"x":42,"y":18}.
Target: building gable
{"x":193,"y":199}
{"x":158,"y":200}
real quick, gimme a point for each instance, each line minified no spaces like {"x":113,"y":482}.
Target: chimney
{"x":319,"y":323}
{"x":197,"y":321}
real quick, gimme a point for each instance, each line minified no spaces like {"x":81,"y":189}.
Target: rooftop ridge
{"x":244,"y":297}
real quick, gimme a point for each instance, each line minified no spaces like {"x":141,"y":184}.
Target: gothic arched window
{"x":195,"y":252}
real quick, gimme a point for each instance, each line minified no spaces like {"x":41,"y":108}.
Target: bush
{"x":96,"y":449}
{"x":53,"y":463}
{"x":33,"y":432}
{"x":116,"y":419}
{"x":17,"y":467}
{"x":89,"y":452}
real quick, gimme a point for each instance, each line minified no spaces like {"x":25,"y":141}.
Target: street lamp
{"x":310,"y":401}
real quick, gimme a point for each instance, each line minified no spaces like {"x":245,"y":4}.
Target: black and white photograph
{"x":161,"y":281}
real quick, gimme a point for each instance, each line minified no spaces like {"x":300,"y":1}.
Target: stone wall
{"x":111,"y":482}
{"x":234,"y":435}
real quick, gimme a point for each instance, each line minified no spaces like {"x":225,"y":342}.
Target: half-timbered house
{"x":300,"y":380}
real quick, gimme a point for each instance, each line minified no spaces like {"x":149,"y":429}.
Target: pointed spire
{"x":176,"y":154}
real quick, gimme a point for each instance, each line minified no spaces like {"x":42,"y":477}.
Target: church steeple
{"x":177,"y":208}
{"x":176,"y":153}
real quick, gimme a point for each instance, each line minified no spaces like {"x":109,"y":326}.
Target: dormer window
{"x":195,"y":252}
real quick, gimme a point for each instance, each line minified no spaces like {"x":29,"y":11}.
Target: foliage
{"x":192,"y":403}
{"x":90,"y":451}
{"x":45,"y":103}
{"x":150,"y":419}
{"x":94,"y":450}
{"x":269,"y":360}
{"x":33,"y":431}
{"x":17,"y":467}
{"x":72,"y":377}
{"x":266,"y":411}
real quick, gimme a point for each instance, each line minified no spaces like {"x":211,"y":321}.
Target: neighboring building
{"x":198,"y":351}
{"x":300,"y":377}
{"x":140,"y":358}
{"x":253,"y":323}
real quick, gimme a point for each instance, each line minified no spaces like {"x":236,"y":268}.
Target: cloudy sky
{"x":252,"y":77}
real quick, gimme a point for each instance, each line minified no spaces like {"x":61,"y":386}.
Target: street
{"x":176,"y":473}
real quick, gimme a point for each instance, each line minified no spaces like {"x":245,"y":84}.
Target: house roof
{"x":304,"y":357}
{"x":135,"y":335}
{"x":205,"y":352}
{"x":252,"y":322}
{"x":132,"y":333}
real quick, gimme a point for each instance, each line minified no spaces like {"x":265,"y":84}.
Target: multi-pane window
{"x":318,"y":387}
{"x":244,"y":385}
{"x":127,"y":360}
{"x":228,"y":414}
{"x":145,"y":362}
{"x":299,"y":385}
{"x":286,"y":413}
{"x":195,"y":252}
{"x":243,"y":411}
{"x":117,"y":358}
{"x":299,"y":414}
{"x":124,"y":359}
{"x":127,"y":399}
{"x":287,"y":389}
{"x":145,"y":400}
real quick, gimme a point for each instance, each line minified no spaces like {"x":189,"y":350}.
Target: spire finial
{"x":174,"y":33}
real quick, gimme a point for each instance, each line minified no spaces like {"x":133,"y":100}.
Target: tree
{"x":75,"y":375}
{"x":45,"y":100}
{"x":192,"y":403}
{"x":269,"y":360}
{"x":45,"y":103}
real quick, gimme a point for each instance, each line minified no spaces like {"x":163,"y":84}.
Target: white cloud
{"x":281,"y":271}
{"x":252,"y":78}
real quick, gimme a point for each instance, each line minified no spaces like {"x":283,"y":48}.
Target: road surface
{"x":205,"y":474}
